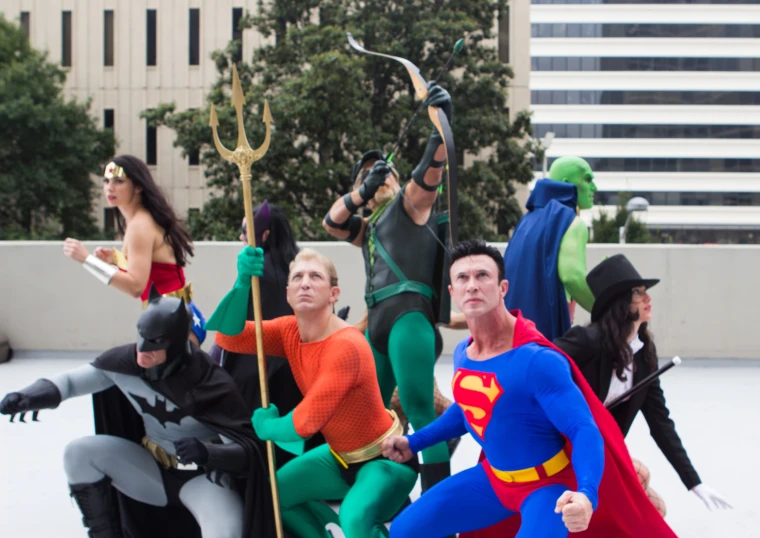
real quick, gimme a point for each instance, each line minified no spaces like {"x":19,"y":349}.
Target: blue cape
{"x":530,"y":262}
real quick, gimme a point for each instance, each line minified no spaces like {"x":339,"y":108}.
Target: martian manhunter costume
{"x":545,"y":261}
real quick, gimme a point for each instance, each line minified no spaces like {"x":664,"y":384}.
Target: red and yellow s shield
{"x":477,"y":394}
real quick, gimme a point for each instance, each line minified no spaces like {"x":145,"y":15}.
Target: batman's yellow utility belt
{"x":164,"y":458}
{"x":372,"y":450}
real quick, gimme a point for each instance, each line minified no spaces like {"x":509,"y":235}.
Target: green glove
{"x":269,"y":426}
{"x":231,"y":313}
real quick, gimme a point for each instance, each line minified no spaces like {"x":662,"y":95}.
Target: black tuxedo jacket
{"x":583,"y":345}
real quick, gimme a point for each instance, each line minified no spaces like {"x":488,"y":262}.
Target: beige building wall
{"x":130,"y":86}
{"x":513,"y":42}
{"x":519,"y":91}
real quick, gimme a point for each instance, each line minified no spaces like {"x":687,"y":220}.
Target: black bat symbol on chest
{"x":159,"y":411}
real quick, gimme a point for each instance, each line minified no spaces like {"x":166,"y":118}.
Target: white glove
{"x":710,"y":497}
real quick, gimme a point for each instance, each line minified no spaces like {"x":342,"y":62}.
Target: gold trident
{"x":244,"y":156}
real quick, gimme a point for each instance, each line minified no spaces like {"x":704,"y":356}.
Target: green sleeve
{"x":572,"y":264}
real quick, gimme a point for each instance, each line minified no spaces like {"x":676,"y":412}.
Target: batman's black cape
{"x":206,"y":392}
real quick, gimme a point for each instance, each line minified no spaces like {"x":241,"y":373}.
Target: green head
{"x":577,"y":171}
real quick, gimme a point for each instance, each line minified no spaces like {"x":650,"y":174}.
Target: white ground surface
{"x":716,"y":409}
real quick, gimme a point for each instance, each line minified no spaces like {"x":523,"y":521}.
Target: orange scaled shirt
{"x":336,"y":376}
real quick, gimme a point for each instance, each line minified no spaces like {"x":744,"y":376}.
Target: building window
{"x":109,"y":219}
{"x":596,"y":130}
{"x":25,"y":23}
{"x":151,"y":144}
{"x":575,"y":63}
{"x":645,"y":30}
{"x":504,"y":35}
{"x":195,"y":37}
{"x":108,"y":118}
{"x":618,"y":164}
{"x":634,"y":97}
{"x":66,"y":39}
{"x":193,"y":156}
{"x":108,"y":37}
{"x":150,"y":49}
{"x":237,"y":33}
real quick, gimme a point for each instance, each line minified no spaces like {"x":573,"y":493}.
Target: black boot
{"x":96,"y":503}
{"x":432,"y":473}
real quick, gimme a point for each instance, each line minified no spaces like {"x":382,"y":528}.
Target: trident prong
{"x":244,"y":156}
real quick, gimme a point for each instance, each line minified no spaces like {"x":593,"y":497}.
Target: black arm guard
{"x":350,"y":205}
{"x":42,"y":394}
{"x":354,"y":227}
{"x":332,"y":224}
{"x":227,"y":457}
{"x":428,"y":161}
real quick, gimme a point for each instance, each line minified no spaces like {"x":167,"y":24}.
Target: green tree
{"x":607,"y":229}
{"x":331,"y":104}
{"x":48,"y":147}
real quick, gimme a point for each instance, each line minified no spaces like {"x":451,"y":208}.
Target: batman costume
{"x":193,"y":465}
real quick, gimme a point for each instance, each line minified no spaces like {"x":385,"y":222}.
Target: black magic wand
{"x":641,"y":385}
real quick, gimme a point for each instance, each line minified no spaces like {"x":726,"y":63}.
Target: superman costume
{"x":537,"y":382}
{"x":621,"y":510}
{"x":532,"y":257}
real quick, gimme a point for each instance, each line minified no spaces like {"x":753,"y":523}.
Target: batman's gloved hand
{"x":42,"y":394}
{"x":343,"y":313}
{"x":191,"y":450}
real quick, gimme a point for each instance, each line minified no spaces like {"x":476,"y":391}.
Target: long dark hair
{"x":280,"y":242}
{"x":616,"y":324}
{"x":154,"y":201}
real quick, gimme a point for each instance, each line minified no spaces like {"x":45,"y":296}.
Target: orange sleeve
{"x":339,"y":369}
{"x":245,"y":342}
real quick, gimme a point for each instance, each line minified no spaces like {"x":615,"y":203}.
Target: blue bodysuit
{"x":522,"y":407}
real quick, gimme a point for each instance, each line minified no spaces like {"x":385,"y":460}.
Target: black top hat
{"x":610,"y":279}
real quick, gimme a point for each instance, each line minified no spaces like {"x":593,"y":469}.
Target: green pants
{"x":380,"y":490}
{"x":410,"y":364}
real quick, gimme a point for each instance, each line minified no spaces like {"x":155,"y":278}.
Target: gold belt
{"x":163,"y":458}
{"x":372,"y":450}
{"x":185,"y":293}
{"x":158,"y":453}
{"x":551,"y":467}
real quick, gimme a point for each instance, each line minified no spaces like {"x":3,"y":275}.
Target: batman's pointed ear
{"x":182,"y":310}
{"x":153,"y":293}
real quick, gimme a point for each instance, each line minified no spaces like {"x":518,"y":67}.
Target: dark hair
{"x":280,"y":241}
{"x":477,"y":247}
{"x":616,"y":324}
{"x":154,"y":201}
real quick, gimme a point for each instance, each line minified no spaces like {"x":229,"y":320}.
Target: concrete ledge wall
{"x":705,"y":307}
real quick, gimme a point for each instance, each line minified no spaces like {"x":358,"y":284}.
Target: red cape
{"x":624,"y":510}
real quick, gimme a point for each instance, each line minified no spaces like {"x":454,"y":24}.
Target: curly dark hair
{"x":175,"y":234}
{"x":616,"y":324}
